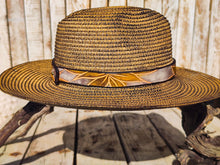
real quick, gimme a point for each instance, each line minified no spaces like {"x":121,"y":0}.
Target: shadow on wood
{"x":112,"y":138}
{"x":98,"y":137}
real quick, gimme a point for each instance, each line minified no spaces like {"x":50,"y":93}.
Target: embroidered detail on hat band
{"x":113,"y":79}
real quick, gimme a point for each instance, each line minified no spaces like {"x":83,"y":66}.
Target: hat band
{"x":113,"y":79}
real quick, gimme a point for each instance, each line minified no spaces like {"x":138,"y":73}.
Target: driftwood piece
{"x":21,"y":117}
{"x":202,"y":142}
{"x":23,"y":130}
{"x":194,"y":121}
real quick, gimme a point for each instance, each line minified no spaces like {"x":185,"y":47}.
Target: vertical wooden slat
{"x":46,"y":27}
{"x":17,"y":31}
{"x":74,"y":5}
{"x":153,"y":4}
{"x":34,"y":29}
{"x":169,"y":127}
{"x":117,"y":2}
{"x":14,"y":152}
{"x":142,"y":143}
{"x":4,"y":40}
{"x":57,"y":13}
{"x":48,"y":145}
{"x":200,"y":36}
{"x":97,"y":137}
{"x":185,"y":33}
{"x":8,"y":104}
{"x":170,"y":11}
{"x":136,"y":3}
{"x":5,"y":56}
{"x":213,"y":60}
{"x":98,"y":3}
{"x":13,"y":50}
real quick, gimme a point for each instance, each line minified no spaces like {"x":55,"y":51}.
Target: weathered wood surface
{"x":99,"y":3}
{"x":170,"y":8}
{"x":195,"y":35}
{"x":139,"y":3}
{"x":4,"y":39}
{"x":195,"y":119}
{"x":47,"y":146}
{"x":13,"y":153}
{"x":20,"y":118}
{"x":104,"y":137}
{"x":153,"y":4}
{"x":24,"y":24}
{"x":213,"y":59}
{"x":140,"y":139}
{"x":72,"y":6}
{"x":167,"y":128}
{"x":34,"y":29}
{"x":57,"y":13}
{"x":117,"y":3}
{"x":97,"y":139}
{"x":17,"y":31}
{"x":200,"y":36}
{"x":46,"y":28}
{"x":185,"y":33}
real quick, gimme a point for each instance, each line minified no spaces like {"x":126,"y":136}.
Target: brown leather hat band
{"x":113,"y":79}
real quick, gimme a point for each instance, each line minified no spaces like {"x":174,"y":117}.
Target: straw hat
{"x":113,"y":58}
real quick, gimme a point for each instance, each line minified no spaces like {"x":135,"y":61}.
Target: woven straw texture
{"x":33,"y":81}
{"x":114,"y":39}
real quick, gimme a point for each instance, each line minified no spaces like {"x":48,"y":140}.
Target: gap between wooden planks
{"x":105,"y":137}
{"x":144,"y":139}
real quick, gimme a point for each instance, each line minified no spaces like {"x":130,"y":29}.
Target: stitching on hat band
{"x":113,"y":79}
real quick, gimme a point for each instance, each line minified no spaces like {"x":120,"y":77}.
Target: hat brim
{"x":33,"y":81}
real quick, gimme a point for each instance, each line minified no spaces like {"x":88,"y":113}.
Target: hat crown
{"x":113,"y":39}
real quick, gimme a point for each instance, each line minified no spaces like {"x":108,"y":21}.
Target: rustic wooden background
{"x":27,"y":33}
{"x":28,"y":27}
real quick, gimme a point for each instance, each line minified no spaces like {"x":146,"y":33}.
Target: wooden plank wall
{"x":28,"y":27}
{"x":27,"y":33}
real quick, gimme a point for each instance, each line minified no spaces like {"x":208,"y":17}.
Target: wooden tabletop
{"x":104,"y":138}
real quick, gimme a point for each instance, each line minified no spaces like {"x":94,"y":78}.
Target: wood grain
{"x":142,"y":143}
{"x":4,"y":39}
{"x":117,"y":2}
{"x":98,"y":143}
{"x":155,"y":5}
{"x":185,"y":33}
{"x":34,"y":29}
{"x":136,"y":3}
{"x":48,"y":145}
{"x":200,"y":36}
{"x":6,"y":100}
{"x":17,"y":31}
{"x":74,"y":5}
{"x":21,"y":117}
{"x":196,"y":44}
{"x":213,"y":60}
{"x":170,"y":10}
{"x":57,"y":13}
{"x":169,"y":126}
{"x":13,"y":153}
{"x":98,"y":3}
{"x":46,"y":28}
